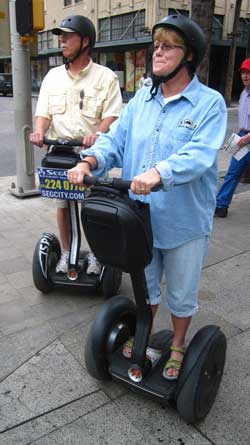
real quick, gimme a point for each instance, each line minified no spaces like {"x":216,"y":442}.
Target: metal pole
{"x":20,"y":54}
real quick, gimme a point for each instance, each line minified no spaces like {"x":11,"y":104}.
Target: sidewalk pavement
{"x":46,"y":394}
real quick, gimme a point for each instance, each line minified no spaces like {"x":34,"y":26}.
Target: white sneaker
{"x":93,"y":265}
{"x":62,"y":265}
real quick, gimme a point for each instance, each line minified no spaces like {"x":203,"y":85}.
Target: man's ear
{"x":85,"y":42}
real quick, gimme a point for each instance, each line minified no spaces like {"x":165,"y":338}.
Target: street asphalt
{"x":46,"y":394}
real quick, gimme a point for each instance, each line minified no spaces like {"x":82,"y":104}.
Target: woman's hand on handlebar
{"x":144,"y":183}
{"x":76,"y":174}
{"x":37,"y":139}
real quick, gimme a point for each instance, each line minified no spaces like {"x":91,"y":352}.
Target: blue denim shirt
{"x":182,"y":139}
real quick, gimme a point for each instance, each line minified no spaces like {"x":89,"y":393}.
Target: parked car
{"x":6,"y":84}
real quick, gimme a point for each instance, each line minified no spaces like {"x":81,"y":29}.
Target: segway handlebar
{"x":63,"y":142}
{"x":116,"y":183}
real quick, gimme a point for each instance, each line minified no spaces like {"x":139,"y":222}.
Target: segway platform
{"x":89,"y":281}
{"x":153,"y":383}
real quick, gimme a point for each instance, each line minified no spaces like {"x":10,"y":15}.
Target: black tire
{"x":41,"y":277}
{"x":114,"y":324}
{"x":201,"y":374}
{"x":111,"y":282}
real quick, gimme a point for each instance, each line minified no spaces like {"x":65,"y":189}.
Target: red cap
{"x":245,"y":65}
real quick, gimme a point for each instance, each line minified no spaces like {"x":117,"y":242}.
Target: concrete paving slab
{"x":219,"y":252}
{"x":2,"y":277}
{"x":159,"y":424}
{"x":10,"y":252}
{"x":74,"y":341}
{"x":20,"y":280}
{"x":24,"y":317}
{"x":105,"y":426}
{"x":38,"y":427}
{"x":111,"y":425}
{"x":229,"y":281}
{"x":15,"y":265}
{"x":7,"y":292}
{"x":50,"y":379}
{"x":18,"y":347}
{"x":4,"y":242}
{"x":228,"y":421}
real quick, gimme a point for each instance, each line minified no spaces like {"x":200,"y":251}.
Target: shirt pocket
{"x":57,"y":103}
{"x":93,"y":103}
{"x":183,"y":134}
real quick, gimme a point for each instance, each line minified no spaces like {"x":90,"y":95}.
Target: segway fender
{"x":47,"y":244}
{"x":198,"y":345}
{"x":200,"y":374}
{"x":116,"y":310}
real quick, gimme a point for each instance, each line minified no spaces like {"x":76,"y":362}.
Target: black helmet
{"x":190,"y":31}
{"x":80,"y":24}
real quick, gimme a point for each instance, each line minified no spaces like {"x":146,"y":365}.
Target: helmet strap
{"x":157,"y":80}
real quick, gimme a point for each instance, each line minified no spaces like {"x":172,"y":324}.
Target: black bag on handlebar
{"x":61,"y":157}
{"x":118,"y":229}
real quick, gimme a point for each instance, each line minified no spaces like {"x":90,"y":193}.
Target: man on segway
{"x":78,"y":100}
{"x":169,"y":136}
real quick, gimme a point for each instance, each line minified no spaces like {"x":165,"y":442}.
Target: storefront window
{"x":115,"y":61}
{"x":135,"y":67}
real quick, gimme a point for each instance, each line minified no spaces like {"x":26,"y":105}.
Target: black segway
{"x":128,"y":245}
{"x":54,"y":184}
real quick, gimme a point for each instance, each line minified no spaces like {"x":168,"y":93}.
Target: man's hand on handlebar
{"x":37,"y":139}
{"x":89,"y":140}
{"x":76,"y":174}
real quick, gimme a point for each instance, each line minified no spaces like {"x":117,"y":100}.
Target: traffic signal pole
{"x":20,"y":52}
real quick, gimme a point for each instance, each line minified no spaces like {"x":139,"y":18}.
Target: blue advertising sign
{"x":55,"y":184}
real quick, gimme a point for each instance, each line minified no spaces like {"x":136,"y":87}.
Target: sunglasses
{"x":81,"y":99}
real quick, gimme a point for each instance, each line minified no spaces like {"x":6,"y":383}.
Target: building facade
{"x":124,"y":37}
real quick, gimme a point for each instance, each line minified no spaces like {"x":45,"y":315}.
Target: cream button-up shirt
{"x":72,"y":117}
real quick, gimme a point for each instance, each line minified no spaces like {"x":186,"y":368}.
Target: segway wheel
{"x":201,"y":374}
{"x":114,"y":324}
{"x":111,"y":282}
{"x":46,"y":255}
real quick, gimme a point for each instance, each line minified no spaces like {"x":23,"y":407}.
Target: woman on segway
{"x":169,"y":136}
